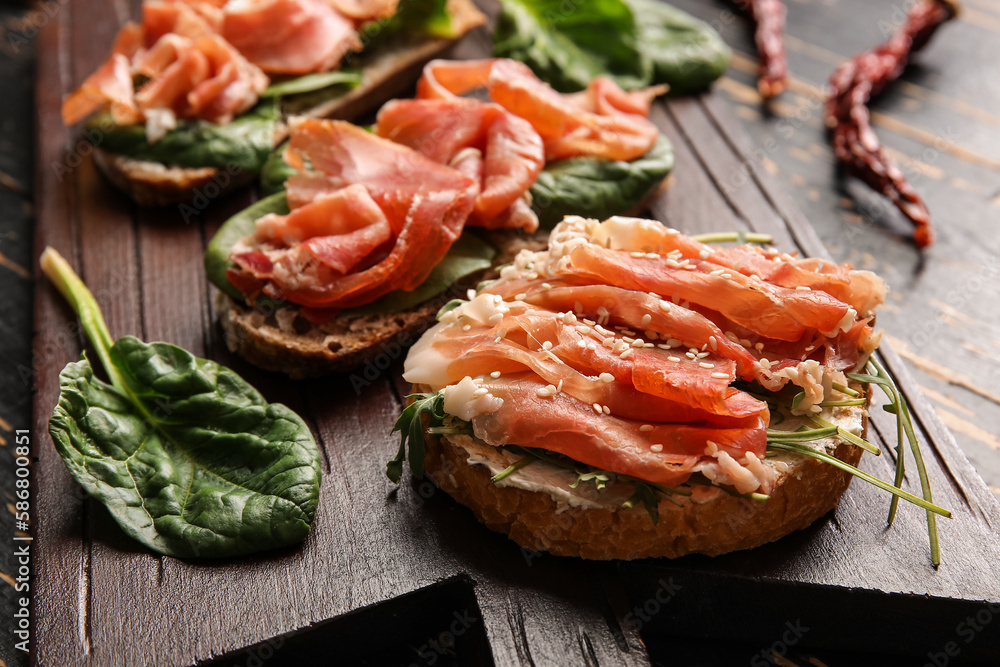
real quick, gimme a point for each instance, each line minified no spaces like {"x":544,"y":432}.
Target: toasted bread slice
{"x":537,"y":508}
{"x":387,"y":72}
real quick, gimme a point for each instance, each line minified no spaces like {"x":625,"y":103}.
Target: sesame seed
{"x":703,"y":254}
{"x":559,"y":386}
{"x":604,"y":332}
{"x":673,"y":358}
{"x":582,"y":329}
{"x":646,"y":427}
{"x":547,"y":345}
{"x":714,"y":343}
{"x":569,"y":318}
{"x":546,"y":286}
{"x":663,"y":346}
{"x":520,"y":296}
{"x":495,"y":374}
{"x":727,"y":276}
{"x":608,"y":342}
{"x":690,"y":355}
{"x":607,"y":377}
{"x":628,"y":332}
{"x":626,"y":354}
{"x":470,"y":294}
{"x":656,"y":448}
{"x":673,"y":342}
{"x":638,"y":342}
{"x":482,"y":391}
{"x":591,"y":346}
{"x":803,"y":288}
{"x":702,"y":355}
{"x":607,"y":410}
{"x":466,"y":327}
{"x":581,"y":343}
{"x":810,"y":348}
{"x":672,"y":263}
{"x":705,"y":364}
{"x":589,"y":322}
{"x":720,"y":376}
{"x":646,"y":319}
{"x":628,"y":339}
{"x":704,"y":345}
{"x":638,"y":255}
{"x":652,"y":255}
{"x":765,"y":362}
{"x":597,"y":408}
{"x":717,"y":272}
{"x":542,"y":392}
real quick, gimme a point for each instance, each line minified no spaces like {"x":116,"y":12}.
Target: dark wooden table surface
{"x":943,"y":303}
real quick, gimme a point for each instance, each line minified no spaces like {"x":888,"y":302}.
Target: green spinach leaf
{"x":243,"y":144}
{"x":275,"y":172}
{"x":569,"y":43}
{"x":598,"y":188}
{"x":188,"y":457}
{"x":635,"y":42}
{"x":685,"y":53}
{"x":429,"y":17}
{"x":310,"y":83}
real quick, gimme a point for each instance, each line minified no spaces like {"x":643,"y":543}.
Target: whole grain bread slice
{"x":386,"y":72}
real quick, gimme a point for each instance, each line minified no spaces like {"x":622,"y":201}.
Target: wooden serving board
{"x":405,"y":575}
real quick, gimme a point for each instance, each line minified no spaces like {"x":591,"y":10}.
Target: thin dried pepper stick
{"x":854,"y":83}
{"x":769,"y":19}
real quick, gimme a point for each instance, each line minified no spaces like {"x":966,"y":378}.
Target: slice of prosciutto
{"x":620,"y":344}
{"x":601,"y":121}
{"x":187,"y":71}
{"x":290,"y":36}
{"x":369,"y":216}
{"x":483,"y":141}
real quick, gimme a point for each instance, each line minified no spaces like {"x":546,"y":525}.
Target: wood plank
{"x":410,"y":554}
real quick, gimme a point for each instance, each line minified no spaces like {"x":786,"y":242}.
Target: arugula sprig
{"x":897,"y":406}
{"x":792,"y":441}
{"x":411,"y":429}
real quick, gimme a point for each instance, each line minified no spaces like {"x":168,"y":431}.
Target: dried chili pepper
{"x":769,"y":17}
{"x":854,"y":83}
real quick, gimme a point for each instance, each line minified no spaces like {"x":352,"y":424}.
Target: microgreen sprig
{"x":411,"y":428}
{"x":877,"y":375}
{"x":734,"y":237}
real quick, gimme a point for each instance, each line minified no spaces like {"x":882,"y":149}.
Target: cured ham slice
{"x":602,"y":121}
{"x":629,"y":347}
{"x":355,"y":194}
{"x":189,"y":71}
{"x":290,"y":36}
{"x":665,"y":454}
{"x":498,"y":149}
{"x":365,"y":10}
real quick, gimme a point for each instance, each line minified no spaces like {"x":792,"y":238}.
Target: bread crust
{"x":724,"y":523}
{"x":386,"y":75}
